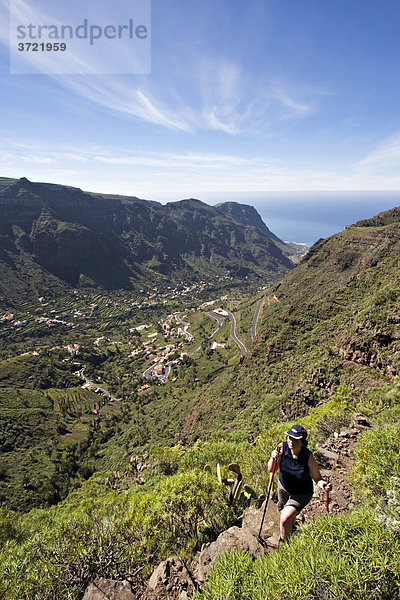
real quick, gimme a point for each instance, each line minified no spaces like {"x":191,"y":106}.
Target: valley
{"x":200,"y":301}
{"x":111,"y":358}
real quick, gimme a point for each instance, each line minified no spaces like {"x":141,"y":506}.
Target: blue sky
{"x":255,"y":96}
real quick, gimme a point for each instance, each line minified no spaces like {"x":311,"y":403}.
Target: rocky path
{"x":336,"y":458}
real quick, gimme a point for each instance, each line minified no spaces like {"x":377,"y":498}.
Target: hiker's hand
{"x":324,"y":485}
{"x":276,"y":453}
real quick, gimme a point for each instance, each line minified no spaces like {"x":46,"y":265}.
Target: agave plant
{"x":240,"y":494}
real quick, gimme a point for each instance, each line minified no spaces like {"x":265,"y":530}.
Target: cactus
{"x":249,"y":493}
{"x":240,"y":494}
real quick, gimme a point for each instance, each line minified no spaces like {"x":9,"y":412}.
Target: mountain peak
{"x":245,"y":214}
{"x":189,"y":203}
{"x":249,"y":217}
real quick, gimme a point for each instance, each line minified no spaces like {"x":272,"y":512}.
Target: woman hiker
{"x":297,"y":469}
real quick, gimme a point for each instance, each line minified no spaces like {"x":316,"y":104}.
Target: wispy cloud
{"x":295,"y":106}
{"x":45,"y":154}
{"x":123,"y":97}
{"x":386,"y":155}
{"x":183,"y":161}
{"x":208,"y":92}
{"x":153,"y":174}
{"x":218,"y":122}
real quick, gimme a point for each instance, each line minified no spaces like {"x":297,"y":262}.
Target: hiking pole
{"x":271,"y":477}
{"x":327,"y":478}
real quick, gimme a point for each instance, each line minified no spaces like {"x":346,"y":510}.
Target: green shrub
{"x":377,"y":459}
{"x":61,"y":561}
{"x":382,"y":403}
{"x":168,"y":460}
{"x":261,"y":453}
{"x":10,"y":526}
{"x":213,"y":452}
{"x":229,"y":579}
{"x":326,"y":418}
{"x":56,"y":553}
{"x":165,"y":459}
{"x":179,"y":513}
{"x":388,"y":512}
{"x":347,"y":557}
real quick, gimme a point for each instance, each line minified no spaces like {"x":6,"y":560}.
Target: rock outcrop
{"x":108,"y":589}
{"x":170,"y":580}
{"x":243,"y":538}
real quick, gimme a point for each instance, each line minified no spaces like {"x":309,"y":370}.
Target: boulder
{"x":171,"y":579}
{"x":252,"y":518}
{"x":108,"y":589}
{"x":360,"y":422}
{"x":243,"y":538}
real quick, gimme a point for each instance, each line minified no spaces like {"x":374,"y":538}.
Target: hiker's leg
{"x":288,"y":517}
{"x":283,"y":496}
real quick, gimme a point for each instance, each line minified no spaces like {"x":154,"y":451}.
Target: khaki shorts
{"x":298,"y":501}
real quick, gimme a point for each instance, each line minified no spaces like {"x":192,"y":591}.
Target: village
{"x":100,"y":306}
{"x":163,"y":357}
{"x":158,"y":346}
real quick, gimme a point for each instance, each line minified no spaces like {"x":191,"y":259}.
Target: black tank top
{"x":294,"y":473}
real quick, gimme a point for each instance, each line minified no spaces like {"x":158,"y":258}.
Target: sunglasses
{"x":292,"y":439}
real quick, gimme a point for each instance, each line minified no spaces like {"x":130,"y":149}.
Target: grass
{"x":334,"y":557}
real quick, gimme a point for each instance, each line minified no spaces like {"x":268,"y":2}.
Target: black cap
{"x":297,"y":432}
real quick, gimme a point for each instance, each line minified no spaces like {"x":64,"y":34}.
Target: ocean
{"x":307,"y":216}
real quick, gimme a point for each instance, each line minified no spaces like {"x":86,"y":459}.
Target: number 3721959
{"x":42,"y":47}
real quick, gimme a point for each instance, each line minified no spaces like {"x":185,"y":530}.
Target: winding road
{"x":255,"y":318}
{"x":242,"y":347}
{"x":102,"y":391}
{"x":219,"y":318}
{"x":216,"y":317}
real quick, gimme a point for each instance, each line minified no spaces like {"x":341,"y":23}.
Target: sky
{"x":245,"y":100}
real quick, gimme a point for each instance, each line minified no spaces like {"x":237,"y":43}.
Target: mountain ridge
{"x":248,"y":216}
{"x":115,"y":241}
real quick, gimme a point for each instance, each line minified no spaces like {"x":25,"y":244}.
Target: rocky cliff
{"x":115,"y":241}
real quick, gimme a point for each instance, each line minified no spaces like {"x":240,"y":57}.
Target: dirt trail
{"x":336,"y":457}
